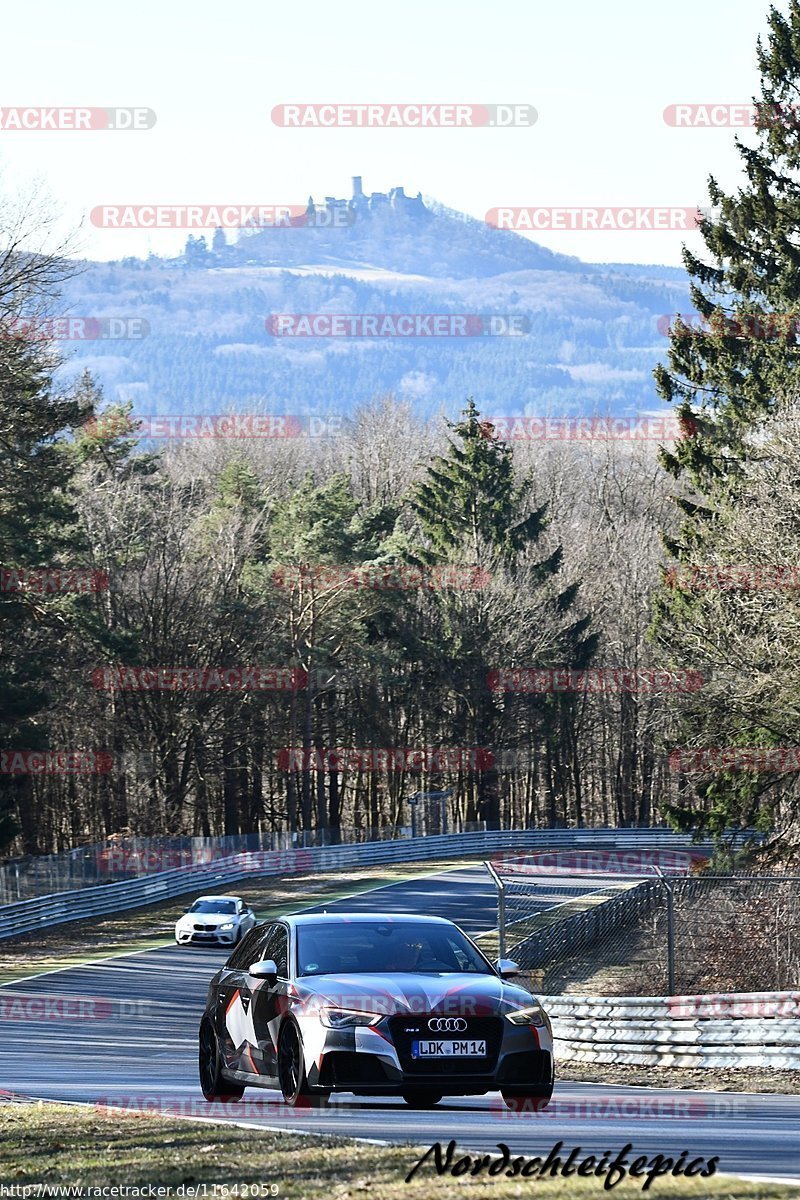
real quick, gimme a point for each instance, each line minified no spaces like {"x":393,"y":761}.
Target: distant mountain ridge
{"x":587,"y":335}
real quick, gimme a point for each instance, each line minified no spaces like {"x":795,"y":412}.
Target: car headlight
{"x":228,"y":925}
{"x":347,"y":1018}
{"x":533,"y":1015}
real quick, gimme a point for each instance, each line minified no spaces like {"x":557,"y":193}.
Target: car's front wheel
{"x":292,"y":1072}
{"x":212,"y":1083}
{"x":419,"y":1098}
{"x":526,"y":1101}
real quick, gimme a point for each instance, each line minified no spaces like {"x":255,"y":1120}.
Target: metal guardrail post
{"x":501,"y":909}
{"x":670,"y":941}
{"x":412,"y":804}
{"x":670,"y":933}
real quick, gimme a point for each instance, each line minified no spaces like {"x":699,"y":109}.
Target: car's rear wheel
{"x":212,"y":1083}
{"x":526,"y":1101}
{"x":292,"y":1072}
{"x":419,"y":1098}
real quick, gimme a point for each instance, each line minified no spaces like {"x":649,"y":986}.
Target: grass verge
{"x":68,"y":1144}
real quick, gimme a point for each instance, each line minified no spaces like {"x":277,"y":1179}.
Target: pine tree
{"x":472,"y":509}
{"x":727,"y":376}
{"x":38,"y":529}
{"x":470,"y":500}
{"x":727,"y":380}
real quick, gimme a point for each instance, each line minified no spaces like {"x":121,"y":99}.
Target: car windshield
{"x":214,"y":906}
{"x":361,"y":947}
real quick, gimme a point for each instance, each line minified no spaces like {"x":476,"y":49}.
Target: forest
{"x":228,"y":635}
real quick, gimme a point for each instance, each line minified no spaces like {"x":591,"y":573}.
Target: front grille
{"x":204,"y":928}
{"x":406,"y":1030}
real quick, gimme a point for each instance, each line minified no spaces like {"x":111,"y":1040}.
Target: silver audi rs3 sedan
{"x":372,"y":1005}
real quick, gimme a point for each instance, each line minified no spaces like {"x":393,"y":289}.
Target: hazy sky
{"x":599,"y":75}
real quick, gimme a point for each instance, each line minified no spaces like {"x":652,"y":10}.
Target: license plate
{"x":448,"y":1049}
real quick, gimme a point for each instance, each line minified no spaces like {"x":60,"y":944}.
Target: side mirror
{"x":266,"y":969}
{"x":506,"y":967}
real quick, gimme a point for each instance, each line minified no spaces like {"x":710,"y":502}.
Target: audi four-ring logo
{"x":447,"y":1024}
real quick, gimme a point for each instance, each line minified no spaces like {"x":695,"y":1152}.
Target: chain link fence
{"x":650,"y":933}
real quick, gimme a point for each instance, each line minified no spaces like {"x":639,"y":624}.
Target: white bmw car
{"x":215,"y":920}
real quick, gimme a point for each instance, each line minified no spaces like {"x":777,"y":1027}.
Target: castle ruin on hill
{"x":362,"y":202}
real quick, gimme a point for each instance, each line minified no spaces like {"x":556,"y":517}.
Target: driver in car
{"x":404,"y":956}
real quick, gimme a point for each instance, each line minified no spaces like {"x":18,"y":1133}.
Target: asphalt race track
{"x":466,"y":896}
{"x":122,"y":1033}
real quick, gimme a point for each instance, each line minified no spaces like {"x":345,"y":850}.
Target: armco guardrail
{"x":755,"y":1029}
{"x":27,"y":915}
{"x":126,"y":856}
